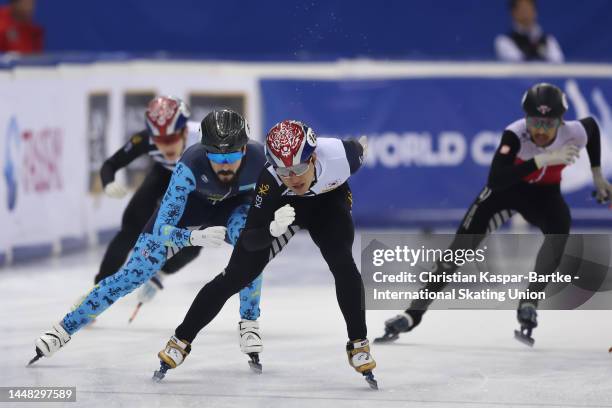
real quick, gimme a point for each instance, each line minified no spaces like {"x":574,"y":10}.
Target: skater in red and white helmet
{"x":304,"y":186}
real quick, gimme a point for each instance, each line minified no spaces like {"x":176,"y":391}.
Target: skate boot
{"x":400,"y":324}
{"x":250,"y":342}
{"x":171,"y":356}
{"x":51,"y":341}
{"x":527,"y":317}
{"x":358,"y":352}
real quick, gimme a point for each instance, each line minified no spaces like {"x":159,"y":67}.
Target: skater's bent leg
{"x":208,"y":303}
{"x":336,"y":247}
{"x":350,"y":294}
{"x":147,"y":258}
{"x":250,"y":297}
{"x":244,"y":266}
{"x":180,"y":259}
{"x":555,"y":224}
{"x":474,"y":227}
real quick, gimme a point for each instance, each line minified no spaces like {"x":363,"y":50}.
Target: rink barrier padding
{"x":72,"y":244}
{"x":104,"y":236}
{"x":26,"y":253}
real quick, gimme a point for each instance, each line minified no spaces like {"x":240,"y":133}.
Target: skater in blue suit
{"x":206,"y":203}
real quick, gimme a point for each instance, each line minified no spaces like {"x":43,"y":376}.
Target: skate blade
{"x":37,"y":357}
{"x":523,"y":338}
{"x":32,"y":361}
{"x":386,"y":338}
{"x":254,"y":363}
{"x":369,"y":377}
{"x":133,"y":316}
{"x":256,"y":367}
{"x":160,"y":374}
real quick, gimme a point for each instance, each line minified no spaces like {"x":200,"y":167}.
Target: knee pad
{"x":235,"y":223}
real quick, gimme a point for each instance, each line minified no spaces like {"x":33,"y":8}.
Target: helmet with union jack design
{"x":290,"y":143}
{"x":165,"y":117}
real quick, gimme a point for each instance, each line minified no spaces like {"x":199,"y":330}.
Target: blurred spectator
{"x":527,"y":41}
{"x":18,"y":33}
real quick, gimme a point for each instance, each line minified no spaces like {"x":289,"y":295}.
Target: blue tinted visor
{"x":225,"y":158}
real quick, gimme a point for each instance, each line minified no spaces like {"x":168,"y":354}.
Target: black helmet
{"x":224,"y":131}
{"x":544,"y":100}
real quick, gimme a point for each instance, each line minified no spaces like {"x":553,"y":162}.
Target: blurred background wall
{"x":306,"y":30}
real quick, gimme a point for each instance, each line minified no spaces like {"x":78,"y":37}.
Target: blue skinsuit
{"x":195,"y":199}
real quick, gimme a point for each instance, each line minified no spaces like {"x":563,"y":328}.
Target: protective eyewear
{"x":225,"y":158}
{"x":297,"y":170}
{"x":543,"y":123}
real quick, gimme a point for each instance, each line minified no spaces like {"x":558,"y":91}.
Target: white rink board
{"x":44,"y":100}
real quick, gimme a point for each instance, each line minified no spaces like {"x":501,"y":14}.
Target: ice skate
{"x":171,"y":356}
{"x":358,"y":352}
{"x":51,"y":341}
{"x":250,"y":342}
{"x":527,"y":317}
{"x":400,"y":324}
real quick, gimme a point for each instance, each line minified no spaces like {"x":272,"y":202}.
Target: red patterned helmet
{"x":165,"y":117}
{"x":290,"y":143}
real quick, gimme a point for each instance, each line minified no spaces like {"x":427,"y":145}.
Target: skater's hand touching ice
{"x":283,"y":217}
{"x":211,"y":237}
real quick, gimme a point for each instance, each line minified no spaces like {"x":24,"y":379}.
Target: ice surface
{"x":454,"y":359}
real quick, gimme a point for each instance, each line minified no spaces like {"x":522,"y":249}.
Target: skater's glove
{"x":566,"y":155}
{"x":211,"y":237}
{"x":115,"y":189}
{"x":603,"y":189}
{"x":363,"y":141}
{"x":283,"y":218}
{"x":148,"y":291}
